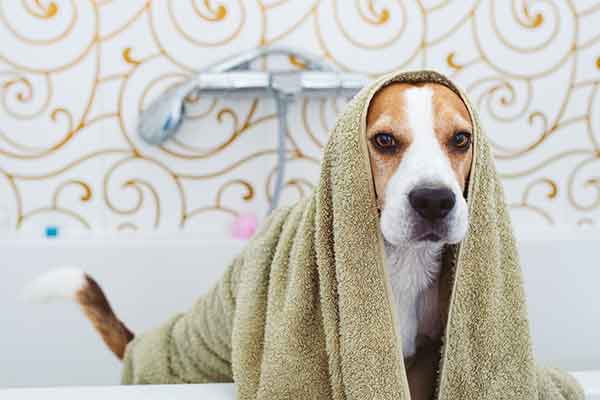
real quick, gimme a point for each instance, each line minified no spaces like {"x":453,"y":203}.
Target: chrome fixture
{"x":233,"y":78}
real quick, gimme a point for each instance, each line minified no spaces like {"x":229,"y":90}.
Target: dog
{"x":420,"y":148}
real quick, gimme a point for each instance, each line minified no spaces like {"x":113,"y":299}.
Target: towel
{"x":306,"y":310}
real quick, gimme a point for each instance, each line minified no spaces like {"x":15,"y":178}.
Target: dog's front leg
{"x":422,"y":372}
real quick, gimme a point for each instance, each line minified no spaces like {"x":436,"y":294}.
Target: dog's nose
{"x":432,"y":203}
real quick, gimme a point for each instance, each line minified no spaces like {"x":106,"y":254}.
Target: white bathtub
{"x":147,"y":280}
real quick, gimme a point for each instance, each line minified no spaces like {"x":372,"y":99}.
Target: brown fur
{"x":387,"y":112}
{"x":98,"y":310}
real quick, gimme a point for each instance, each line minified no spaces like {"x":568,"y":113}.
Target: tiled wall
{"x":74,"y":75}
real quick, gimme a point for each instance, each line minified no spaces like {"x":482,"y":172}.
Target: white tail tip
{"x":58,"y":284}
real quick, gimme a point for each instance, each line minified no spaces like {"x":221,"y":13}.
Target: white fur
{"x":62,"y":283}
{"x":412,"y":270}
{"x":414,"y":266}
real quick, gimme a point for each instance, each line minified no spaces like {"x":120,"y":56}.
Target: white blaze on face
{"x":424,"y":163}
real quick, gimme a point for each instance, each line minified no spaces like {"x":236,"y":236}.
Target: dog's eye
{"x":384,"y":141}
{"x":461,"y":140}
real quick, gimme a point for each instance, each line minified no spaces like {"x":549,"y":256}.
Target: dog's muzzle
{"x":432,"y":204}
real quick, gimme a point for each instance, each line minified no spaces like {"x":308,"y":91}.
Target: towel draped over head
{"x":306,"y":310}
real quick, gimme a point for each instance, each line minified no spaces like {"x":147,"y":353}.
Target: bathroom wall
{"x":74,"y":75}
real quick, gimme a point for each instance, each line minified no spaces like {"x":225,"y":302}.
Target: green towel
{"x":305,"y":311}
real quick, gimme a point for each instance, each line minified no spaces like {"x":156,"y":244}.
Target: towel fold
{"x":306,"y":310}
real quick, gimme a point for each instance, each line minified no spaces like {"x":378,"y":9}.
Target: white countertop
{"x":589,"y":380}
{"x":146,"y":392}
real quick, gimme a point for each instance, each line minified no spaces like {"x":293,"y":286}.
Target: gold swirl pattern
{"x":215,"y":14}
{"x":384,"y":31}
{"x":209,"y":15}
{"x":74,"y":76}
{"x":18,"y":93}
{"x":41,"y":11}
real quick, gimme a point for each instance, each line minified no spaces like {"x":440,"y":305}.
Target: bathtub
{"x":148,"y":279}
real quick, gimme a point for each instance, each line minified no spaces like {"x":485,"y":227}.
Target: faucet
{"x":233,"y":78}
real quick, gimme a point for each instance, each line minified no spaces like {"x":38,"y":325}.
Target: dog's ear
{"x":468,"y":178}
{"x":378,"y":199}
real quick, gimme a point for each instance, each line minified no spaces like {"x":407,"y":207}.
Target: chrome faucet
{"x":233,"y":78}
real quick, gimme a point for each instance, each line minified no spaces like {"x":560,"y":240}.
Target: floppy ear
{"x":378,"y":198}
{"x":466,"y":190}
{"x":468,"y":178}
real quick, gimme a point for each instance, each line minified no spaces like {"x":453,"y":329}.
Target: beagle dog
{"x":419,"y":142}
{"x":420,"y":150}
{"x":419,"y":139}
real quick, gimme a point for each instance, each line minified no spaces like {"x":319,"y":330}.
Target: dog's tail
{"x":74,"y":284}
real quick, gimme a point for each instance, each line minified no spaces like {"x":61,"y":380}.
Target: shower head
{"x":163,"y":117}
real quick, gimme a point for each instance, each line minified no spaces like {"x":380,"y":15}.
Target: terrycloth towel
{"x":305,"y":312}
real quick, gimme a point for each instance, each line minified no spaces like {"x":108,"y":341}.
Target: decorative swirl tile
{"x":75,"y":74}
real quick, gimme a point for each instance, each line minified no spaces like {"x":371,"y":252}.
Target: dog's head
{"x":420,"y":146}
